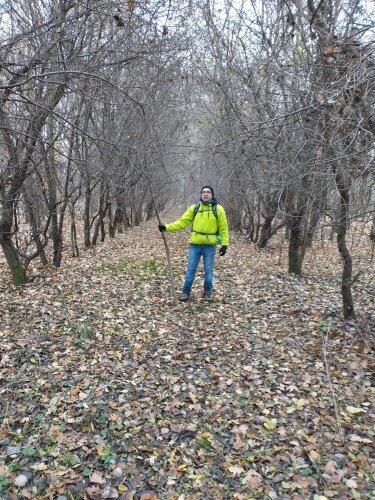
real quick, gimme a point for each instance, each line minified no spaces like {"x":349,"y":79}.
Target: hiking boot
{"x":208,"y":298}
{"x":184,"y":297}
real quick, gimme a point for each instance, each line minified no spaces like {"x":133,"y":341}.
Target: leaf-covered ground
{"x":110,"y":391}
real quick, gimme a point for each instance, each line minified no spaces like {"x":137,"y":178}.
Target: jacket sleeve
{"x":186,"y":219}
{"x":223,"y":226}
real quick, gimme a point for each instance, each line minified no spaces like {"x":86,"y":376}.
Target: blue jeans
{"x":194,"y":255}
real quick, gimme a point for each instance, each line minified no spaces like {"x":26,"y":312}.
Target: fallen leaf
{"x":270,"y":423}
{"x":314,"y":455}
{"x":253,"y":479}
{"x":235,"y":470}
{"x":355,"y":411}
{"x":97,"y":478}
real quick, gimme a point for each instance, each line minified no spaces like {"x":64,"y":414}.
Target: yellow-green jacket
{"x":205,"y":225}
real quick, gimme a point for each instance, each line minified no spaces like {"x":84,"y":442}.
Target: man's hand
{"x":223,"y":250}
{"x":162,"y":228}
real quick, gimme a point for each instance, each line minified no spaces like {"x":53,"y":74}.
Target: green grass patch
{"x":114,"y":268}
{"x":82,"y":332}
{"x":18,"y":274}
{"x":148,"y":265}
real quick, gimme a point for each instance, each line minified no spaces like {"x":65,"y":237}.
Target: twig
{"x":356,"y":277}
{"x":16,"y":382}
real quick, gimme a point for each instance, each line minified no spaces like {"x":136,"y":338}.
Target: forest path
{"x":112,"y":391}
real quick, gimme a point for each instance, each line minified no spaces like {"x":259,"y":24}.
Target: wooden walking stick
{"x":171,"y":279}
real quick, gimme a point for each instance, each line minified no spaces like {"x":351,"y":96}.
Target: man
{"x":209,"y":228}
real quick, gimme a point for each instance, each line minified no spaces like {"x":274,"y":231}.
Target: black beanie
{"x":208,"y":187}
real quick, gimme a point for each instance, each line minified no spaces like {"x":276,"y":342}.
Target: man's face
{"x":206,"y":195}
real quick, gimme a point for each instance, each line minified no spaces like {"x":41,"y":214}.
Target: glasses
{"x":206,"y":191}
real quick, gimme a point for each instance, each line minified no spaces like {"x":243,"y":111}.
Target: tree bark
{"x":265,"y":233}
{"x":111,"y":224}
{"x":34,"y":226}
{"x":57,"y":254}
{"x":16,"y":268}
{"x":372,"y":233}
{"x":99,"y":225}
{"x":73,"y":232}
{"x":346,"y":280}
{"x":86,"y":213}
{"x":296,"y":245}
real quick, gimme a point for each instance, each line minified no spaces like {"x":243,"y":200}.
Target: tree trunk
{"x":102,"y":225}
{"x":346,"y":280}
{"x":313,"y":224}
{"x":73,"y":234}
{"x":16,"y":267}
{"x":57,"y":257}
{"x":34,"y":226}
{"x":86,"y":214}
{"x":50,"y":173}
{"x":372,"y":233}
{"x":99,"y":226}
{"x":57,"y":254}
{"x":111,"y":225}
{"x":296,"y":246}
{"x":54,"y":231}
{"x":266,"y":231}
{"x":330,"y":77}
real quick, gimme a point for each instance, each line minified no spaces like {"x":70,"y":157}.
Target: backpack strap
{"x":196,"y":209}
{"x":197,"y":206}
